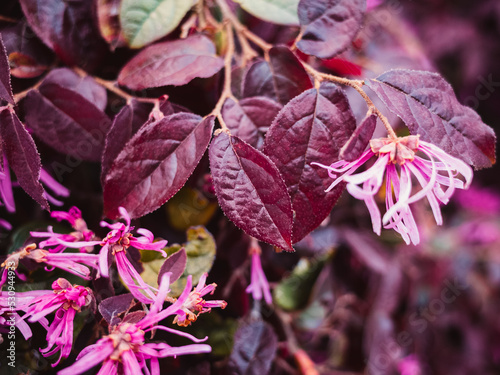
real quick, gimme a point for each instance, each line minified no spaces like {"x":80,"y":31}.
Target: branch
{"x":226,"y":92}
{"x":356,"y":85}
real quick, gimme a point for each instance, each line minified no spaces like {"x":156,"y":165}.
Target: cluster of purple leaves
{"x":279,"y":122}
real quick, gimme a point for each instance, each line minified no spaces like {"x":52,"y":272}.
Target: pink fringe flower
{"x":9,"y":303}
{"x":6,"y":184}
{"x":77,"y":264}
{"x":259,"y":286}
{"x":397,"y":161}
{"x":81,"y":233}
{"x":6,"y":194}
{"x":409,"y":366}
{"x":124,"y":350}
{"x":194,"y":304}
{"x":116,"y":243}
{"x":65,"y":300}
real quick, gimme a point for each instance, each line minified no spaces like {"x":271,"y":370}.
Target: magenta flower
{"x":118,"y":240}
{"x":6,"y":194}
{"x":125,"y":351}
{"x":397,"y":161}
{"x":409,"y":366}
{"x":194,"y":304}
{"x":49,"y":182}
{"x":81,"y":233}
{"x":13,"y":319}
{"x":10,"y":303}
{"x":77,"y":264}
{"x":259,"y":285}
{"x":6,"y":184}
{"x":5,"y":224}
{"x":65,"y":300}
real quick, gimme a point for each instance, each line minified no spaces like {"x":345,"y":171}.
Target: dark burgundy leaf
{"x":175,"y":263}
{"x":22,"y":155}
{"x":134,"y":317}
{"x":250,"y":118}
{"x":67,"y":121}
{"x":156,"y":163}
{"x":5,"y":88}
{"x":258,"y":81}
{"x":290,"y":78}
{"x":356,"y":145}
{"x":237,"y":81}
{"x":251,"y":191}
{"x":168,"y":108}
{"x":126,"y":123}
{"x":329,"y":25}
{"x":429,"y":107}
{"x":171,"y":63}
{"x":85,"y":86}
{"x":282,"y":79}
{"x":67,"y":27}
{"x":28,"y":56}
{"x":311,"y":128}
{"x":254,"y":349}
{"x":111,"y":307}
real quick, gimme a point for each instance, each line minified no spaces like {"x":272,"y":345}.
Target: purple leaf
{"x":175,"y":263}
{"x":254,"y":349}
{"x":250,"y":118}
{"x":290,"y":78}
{"x":126,"y":123}
{"x":258,"y":81}
{"x":28,"y":56}
{"x":22,"y":155}
{"x":112,"y":307}
{"x":282,"y":79}
{"x":156,"y":163}
{"x":85,"y":86}
{"x":429,"y":107}
{"x":66,"y":121}
{"x":329,"y":26}
{"x":356,"y":145}
{"x":67,"y":27}
{"x":311,"y":128}
{"x":5,"y":88}
{"x":171,"y":63}
{"x":251,"y":191}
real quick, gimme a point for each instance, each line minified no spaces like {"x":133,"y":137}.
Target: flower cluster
{"x":77,"y":264}
{"x":65,"y":300}
{"x":125,"y":351}
{"x":398,"y":161}
{"x":81,"y":232}
{"x":116,"y":243}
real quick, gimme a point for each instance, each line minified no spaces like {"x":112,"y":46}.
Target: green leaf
{"x":189,"y":207}
{"x":145,"y":21}
{"x":283,"y":12}
{"x":293,"y":293}
{"x":200,"y":251}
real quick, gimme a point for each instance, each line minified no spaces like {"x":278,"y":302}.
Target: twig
{"x":111,"y":86}
{"x":226,"y":92}
{"x":356,"y":85}
{"x":241,"y":30}
{"x":21,"y":95}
